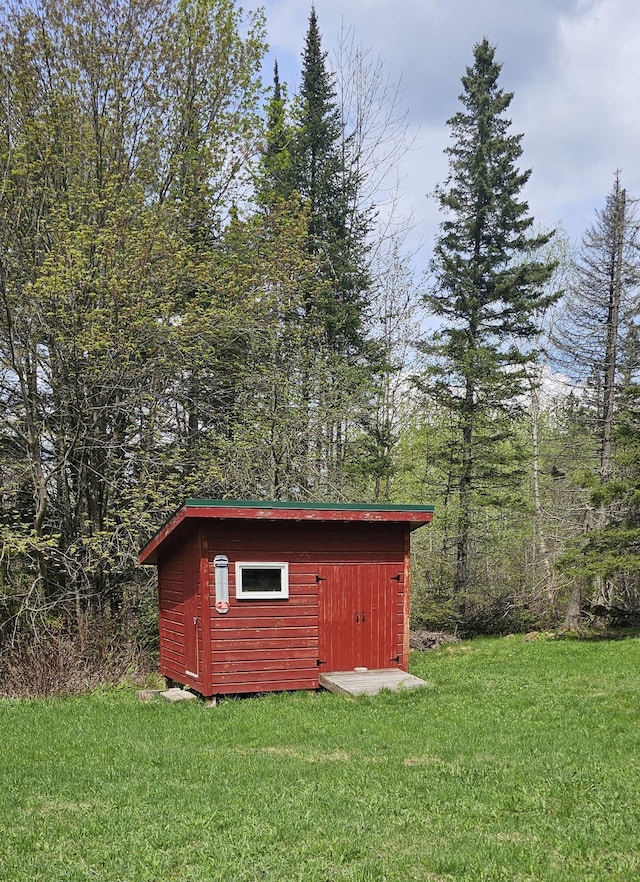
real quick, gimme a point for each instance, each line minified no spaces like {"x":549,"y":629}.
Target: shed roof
{"x":235,"y":509}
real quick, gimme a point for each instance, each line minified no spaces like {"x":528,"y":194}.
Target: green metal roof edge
{"x":318,"y":506}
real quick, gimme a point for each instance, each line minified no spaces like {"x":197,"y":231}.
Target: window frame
{"x":248,"y":594}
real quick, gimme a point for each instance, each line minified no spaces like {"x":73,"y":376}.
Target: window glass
{"x":263,"y":579}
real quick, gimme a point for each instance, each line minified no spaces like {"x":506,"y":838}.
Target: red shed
{"x":266,"y":596}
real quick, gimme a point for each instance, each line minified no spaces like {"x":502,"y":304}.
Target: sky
{"x":573,"y":66}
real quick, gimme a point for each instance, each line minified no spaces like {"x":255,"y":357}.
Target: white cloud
{"x":574,"y":66}
{"x":578,"y":113}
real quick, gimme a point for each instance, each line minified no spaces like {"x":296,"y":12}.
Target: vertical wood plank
{"x":406,"y":614}
{"x":205,"y":610}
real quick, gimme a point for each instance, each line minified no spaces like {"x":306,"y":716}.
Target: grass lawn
{"x":520,"y":762}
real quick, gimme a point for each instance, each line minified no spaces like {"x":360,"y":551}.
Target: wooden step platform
{"x":366,"y":682}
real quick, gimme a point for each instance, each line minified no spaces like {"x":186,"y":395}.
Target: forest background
{"x":207,"y":290}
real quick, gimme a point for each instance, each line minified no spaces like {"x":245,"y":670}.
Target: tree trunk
{"x":572,"y":617}
{"x":461,"y":579}
{"x":540,"y":541}
{"x":613,"y":323}
{"x":601,"y":589}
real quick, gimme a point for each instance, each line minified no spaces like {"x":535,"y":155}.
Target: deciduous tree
{"x":125,"y":128}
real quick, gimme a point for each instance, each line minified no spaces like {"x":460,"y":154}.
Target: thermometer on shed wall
{"x":221,"y":564}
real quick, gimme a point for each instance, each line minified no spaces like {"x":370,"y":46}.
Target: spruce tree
{"x":488,"y":289}
{"x":321,"y":175}
{"x":596,"y":341}
{"x":274,"y":179}
{"x":308,"y":172}
{"x":599,"y":310}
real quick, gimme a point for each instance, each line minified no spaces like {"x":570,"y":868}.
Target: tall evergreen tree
{"x":599,"y":309}
{"x":488,"y":290}
{"x":274,"y":174}
{"x":595,"y":338}
{"x":321,"y":174}
{"x":308,"y":171}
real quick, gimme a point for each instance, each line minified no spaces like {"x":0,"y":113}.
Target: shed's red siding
{"x":348,"y":599}
{"x":179,"y":603}
{"x":273,"y":645}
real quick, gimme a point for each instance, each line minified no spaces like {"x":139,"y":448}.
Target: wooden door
{"x":192,"y":621}
{"x":360,"y":616}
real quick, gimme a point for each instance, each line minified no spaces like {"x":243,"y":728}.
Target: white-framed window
{"x":262,"y":580}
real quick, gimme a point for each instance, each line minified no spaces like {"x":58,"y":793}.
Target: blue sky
{"x":574,"y":66}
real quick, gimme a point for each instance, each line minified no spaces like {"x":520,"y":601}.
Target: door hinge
{"x":320,"y":579}
{"x":398,"y":578}
{"x":396,"y":659}
{"x":320,"y":661}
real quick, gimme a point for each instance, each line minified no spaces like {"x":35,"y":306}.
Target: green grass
{"x":521,"y":762}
